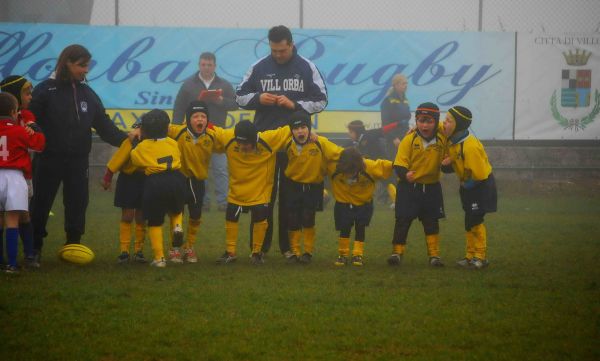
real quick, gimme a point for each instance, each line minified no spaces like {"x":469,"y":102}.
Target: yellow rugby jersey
{"x":195,"y":152}
{"x":156,"y":155}
{"x":308,"y":164}
{"x":358,"y":191}
{"x":424,"y":159}
{"x":251,"y":174}
{"x":121,"y":160}
{"x":469,"y":160}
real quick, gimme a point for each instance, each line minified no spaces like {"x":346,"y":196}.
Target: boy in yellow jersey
{"x":164,"y":187}
{"x":196,"y":144}
{"x":128,"y":197}
{"x":353,"y":184}
{"x":419,"y":192}
{"x":251,"y":164}
{"x":467,"y":158}
{"x":307,"y":165}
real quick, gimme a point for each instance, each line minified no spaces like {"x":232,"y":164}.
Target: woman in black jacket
{"x":67,"y":109}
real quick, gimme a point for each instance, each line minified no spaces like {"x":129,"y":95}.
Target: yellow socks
{"x":156,"y":239}
{"x":193,"y":226}
{"x":399,"y":248}
{"x":231,"y":235}
{"x":358,"y":248}
{"x":344,"y":246}
{"x":480,"y":240}
{"x":295,"y":241}
{"x":176,"y":220}
{"x":124,"y":236}
{"x":259,"y":230}
{"x":391,"y":189}
{"x":309,"y":240}
{"x":140,"y":235}
{"x":433,"y":245}
{"x":470,"y":245}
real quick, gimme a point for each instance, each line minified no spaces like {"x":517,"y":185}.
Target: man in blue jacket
{"x":275,"y":87}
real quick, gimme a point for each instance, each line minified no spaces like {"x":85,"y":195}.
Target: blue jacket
{"x":67,"y":112}
{"x":298,"y":79}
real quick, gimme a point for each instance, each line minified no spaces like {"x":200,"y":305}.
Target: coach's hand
{"x":267,"y":99}
{"x":285,"y":102}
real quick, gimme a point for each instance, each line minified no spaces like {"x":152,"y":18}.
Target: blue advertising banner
{"x":139,"y":68}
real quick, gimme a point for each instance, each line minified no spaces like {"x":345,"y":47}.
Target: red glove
{"x":388,"y":128}
{"x":107,"y":179}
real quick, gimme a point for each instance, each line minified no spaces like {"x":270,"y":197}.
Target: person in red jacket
{"x":21,"y":88}
{"x":15,"y":141}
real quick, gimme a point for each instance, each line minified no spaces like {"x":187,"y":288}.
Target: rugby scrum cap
{"x":300,"y":118}
{"x":462,"y":116}
{"x":245,"y":132}
{"x":195,"y":107}
{"x":155,"y":124}
{"x":428,"y":109}
{"x":13,"y":84}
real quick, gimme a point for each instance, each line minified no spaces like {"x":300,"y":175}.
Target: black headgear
{"x":462,"y":116}
{"x":300,"y":118}
{"x":155,"y":124}
{"x":13,"y":84}
{"x":195,"y":107}
{"x":245,"y":132}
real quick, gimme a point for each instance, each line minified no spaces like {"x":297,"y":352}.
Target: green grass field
{"x":539,"y":299}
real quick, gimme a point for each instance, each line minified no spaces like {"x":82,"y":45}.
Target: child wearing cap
{"x":21,"y":89}
{"x":306,"y":168}
{"x":196,"y":141}
{"x":419,"y":192}
{"x":164,"y":186}
{"x":128,"y":196}
{"x":353,"y":184}
{"x":251,"y":164}
{"x":468,"y":159}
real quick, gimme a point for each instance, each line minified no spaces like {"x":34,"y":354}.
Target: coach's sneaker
{"x":31,"y":262}
{"x":11,"y":269}
{"x":464,"y":263}
{"x":139,"y":257}
{"x":177,"y":236}
{"x":341,"y":261}
{"x":123,"y":257}
{"x":306,"y":258}
{"x":226,"y":258}
{"x":436,"y":262}
{"x":395,"y":259}
{"x":257,"y":258}
{"x":159,"y":263}
{"x":175,"y":255}
{"x":357,"y":261}
{"x":478,"y":263}
{"x":189,"y":255}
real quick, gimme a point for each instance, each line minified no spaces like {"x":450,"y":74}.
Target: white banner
{"x":558,"y":87}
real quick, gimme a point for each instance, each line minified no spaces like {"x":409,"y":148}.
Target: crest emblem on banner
{"x":576,"y":92}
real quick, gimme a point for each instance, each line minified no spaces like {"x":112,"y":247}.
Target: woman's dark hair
{"x":71,"y":53}
{"x":350,"y":162}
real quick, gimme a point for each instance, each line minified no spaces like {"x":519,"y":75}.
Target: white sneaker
{"x":189,"y":255}
{"x":478,"y":263}
{"x":435,"y":262}
{"x":175,"y":255}
{"x":160,"y":263}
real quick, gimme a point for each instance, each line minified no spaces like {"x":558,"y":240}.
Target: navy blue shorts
{"x":347,"y":215}
{"x":301,"y":196}
{"x":481,"y":199}
{"x":164,"y":193}
{"x":423,"y":201}
{"x":129,"y":190}
{"x":194,"y":196}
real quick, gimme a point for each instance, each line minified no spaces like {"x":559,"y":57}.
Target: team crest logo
{"x":576,"y":92}
{"x":84,"y":107}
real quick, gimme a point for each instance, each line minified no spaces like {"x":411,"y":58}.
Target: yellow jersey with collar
{"x":308,"y":163}
{"x":251,"y":174}
{"x":156,"y":155}
{"x":195,"y":151}
{"x":359,"y":190}
{"x":121,"y":159}
{"x":469,"y":159}
{"x":422,"y":157}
